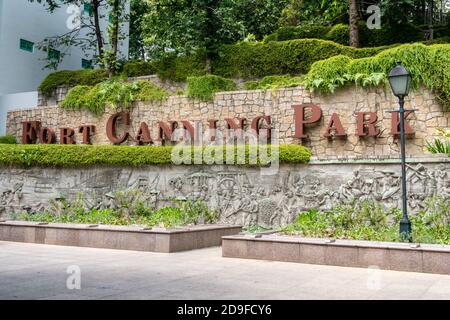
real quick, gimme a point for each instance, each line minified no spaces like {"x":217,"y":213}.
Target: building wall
{"x":278,"y":104}
{"x":22,"y":71}
{"x":8,"y":102}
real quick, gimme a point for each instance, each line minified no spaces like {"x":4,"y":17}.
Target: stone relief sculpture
{"x":242,"y":196}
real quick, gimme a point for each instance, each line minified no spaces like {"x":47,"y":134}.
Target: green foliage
{"x":8,"y":139}
{"x":205,"y":87}
{"x":427,"y":64}
{"x":339,"y":33}
{"x":70,"y":79}
{"x":130,"y":208}
{"x":113,"y":93}
{"x":440,"y":145}
{"x":178,"y":69}
{"x":275,"y":82}
{"x":85,"y":155}
{"x":369,"y":221}
{"x":188,"y":26}
{"x":305,"y":31}
{"x":137,"y":68}
{"x":277,"y":58}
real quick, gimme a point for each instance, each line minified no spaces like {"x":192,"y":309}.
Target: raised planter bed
{"x":425,"y":258}
{"x":117,"y":237}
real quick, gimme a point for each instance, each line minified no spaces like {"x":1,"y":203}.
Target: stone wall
{"x":243,"y":195}
{"x":278,"y":104}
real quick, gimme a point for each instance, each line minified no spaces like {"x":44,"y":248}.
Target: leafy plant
{"x":115,"y":93}
{"x":369,"y":221}
{"x":438,"y":145}
{"x":427,"y":64}
{"x":205,"y":87}
{"x":275,"y":82}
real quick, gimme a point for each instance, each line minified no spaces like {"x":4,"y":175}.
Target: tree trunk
{"x":354,"y":32}
{"x":98,"y":33}
{"x":114,"y":37}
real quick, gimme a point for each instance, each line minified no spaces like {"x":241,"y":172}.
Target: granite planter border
{"x":426,"y":258}
{"x":117,"y":237}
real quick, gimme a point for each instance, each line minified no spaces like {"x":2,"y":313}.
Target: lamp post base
{"x":405,"y":230}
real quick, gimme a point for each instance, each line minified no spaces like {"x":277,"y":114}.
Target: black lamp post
{"x":400,"y":80}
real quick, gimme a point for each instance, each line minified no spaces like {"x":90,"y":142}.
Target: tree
{"x":183,"y":27}
{"x":353,"y":22}
{"x":86,"y":32}
{"x":138,"y":9}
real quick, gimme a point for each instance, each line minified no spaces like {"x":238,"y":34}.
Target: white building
{"x":23,"y":25}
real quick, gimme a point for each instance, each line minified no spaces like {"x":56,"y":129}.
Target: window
{"x":54,"y":54}
{"x":86,"y":64}
{"x":26,"y":45}
{"x":87,"y":8}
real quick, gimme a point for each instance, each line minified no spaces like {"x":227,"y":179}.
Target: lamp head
{"x":400,"y":81}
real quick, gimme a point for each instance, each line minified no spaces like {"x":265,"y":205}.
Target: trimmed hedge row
{"x":81,"y":155}
{"x":429,"y":66}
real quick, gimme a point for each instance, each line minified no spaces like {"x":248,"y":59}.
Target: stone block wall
{"x":278,"y":104}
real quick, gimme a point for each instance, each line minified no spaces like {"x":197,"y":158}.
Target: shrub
{"x":136,"y":68}
{"x":278,"y":58}
{"x":275,"y":82}
{"x":299,"y":32}
{"x":114,"y":93}
{"x":440,"y":145}
{"x":339,"y":33}
{"x":427,"y":64}
{"x":8,"y":139}
{"x":70,"y":79}
{"x":178,"y":69}
{"x":81,"y":156}
{"x":205,"y":87}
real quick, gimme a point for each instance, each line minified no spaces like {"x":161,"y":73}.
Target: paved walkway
{"x":29,"y":271}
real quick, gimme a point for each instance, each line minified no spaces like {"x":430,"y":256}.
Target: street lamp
{"x":400,"y":81}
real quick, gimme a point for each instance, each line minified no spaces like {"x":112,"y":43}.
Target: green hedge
{"x":71,"y":78}
{"x":205,"y":87}
{"x":339,"y":33}
{"x":277,"y":58}
{"x":8,"y":139}
{"x":81,"y":156}
{"x":275,"y":82}
{"x":429,"y":66}
{"x":136,"y":68}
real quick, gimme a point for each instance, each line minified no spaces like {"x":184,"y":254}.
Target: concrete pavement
{"x":29,"y":271}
